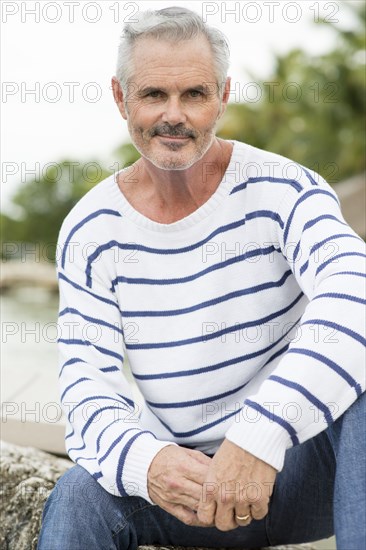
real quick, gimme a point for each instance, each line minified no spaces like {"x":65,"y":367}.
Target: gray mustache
{"x":174,"y":131}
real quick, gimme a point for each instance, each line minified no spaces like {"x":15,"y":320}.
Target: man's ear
{"x":225,"y":96}
{"x":119,"y":97}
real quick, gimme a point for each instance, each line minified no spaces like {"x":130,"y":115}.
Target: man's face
{"x":173,"y":101}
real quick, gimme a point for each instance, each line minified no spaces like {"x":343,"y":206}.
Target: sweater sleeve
{"x":103,"y":433}
{"x":323,"y":371}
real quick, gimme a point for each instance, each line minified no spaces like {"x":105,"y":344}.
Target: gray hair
{"x":175,"y":24}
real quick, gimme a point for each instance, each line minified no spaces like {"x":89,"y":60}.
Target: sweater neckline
{"x":221,"y":192}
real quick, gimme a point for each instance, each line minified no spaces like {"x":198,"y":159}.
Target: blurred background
{"x":298,"y":89}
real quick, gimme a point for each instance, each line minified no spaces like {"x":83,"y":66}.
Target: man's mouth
{"x":165,"y":136}
{"x":171,"y":133}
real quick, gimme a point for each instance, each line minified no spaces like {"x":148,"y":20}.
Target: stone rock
{"x":27,"y":477}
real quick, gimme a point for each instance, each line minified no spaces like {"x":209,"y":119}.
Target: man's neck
{"x":166,"y":196}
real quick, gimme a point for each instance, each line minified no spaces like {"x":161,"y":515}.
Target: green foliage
{"x":10,"y":229}
{"x":127,"y":154}
{"x":44,"y":203}
{"x":312,"y":109}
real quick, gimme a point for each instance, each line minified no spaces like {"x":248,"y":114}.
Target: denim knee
{"x":353,"y":423}
{"x":80,"y":514}
{"x":77,"y":488}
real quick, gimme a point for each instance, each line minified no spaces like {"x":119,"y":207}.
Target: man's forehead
{"x":158,"y":62}
{"x":168,"y":51}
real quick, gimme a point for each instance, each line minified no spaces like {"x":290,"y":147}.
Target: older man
{"x":230,"y":280}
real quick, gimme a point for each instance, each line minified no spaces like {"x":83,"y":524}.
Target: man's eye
{"x":196,"y":93}
{"x":154,"y":94}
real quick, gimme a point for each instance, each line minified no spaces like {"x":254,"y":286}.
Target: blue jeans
{"x":321,"y":490}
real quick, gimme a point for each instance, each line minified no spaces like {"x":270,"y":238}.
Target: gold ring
{"x":243,"y":518}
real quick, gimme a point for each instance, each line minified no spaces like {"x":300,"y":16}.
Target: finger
{"x":224,"y":517}
{"x":185,"y":492}
{"x":206,"y":512}
{"x":192,"y":496}
{"x":243,"y":515}
{"x":195,"y":471}
{"x":181,"y":512}
{"x":180,"y":491}
{"x":185,"y":500}
{"x":260,"y":510}
{"x":199,"y":456}
{"x":197,"y":522}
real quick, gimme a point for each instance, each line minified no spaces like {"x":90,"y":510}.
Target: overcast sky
{"x":58,"y":59}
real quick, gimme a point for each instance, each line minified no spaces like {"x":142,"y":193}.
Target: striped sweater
{"x":242,"y":320}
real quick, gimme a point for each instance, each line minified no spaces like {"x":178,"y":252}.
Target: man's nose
{"x":173,"y":112}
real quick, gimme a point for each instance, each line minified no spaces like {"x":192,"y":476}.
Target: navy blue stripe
{"x":295,"y":184}
{"x":115,"y":442}
{"x":99,"y":439}
{"x":338,"y":327}
{"x":217,"y":334}
{"x":221,"y":265}
{"x":194,"y":403}
{"x":72,"y":385}
{"x":91,"y":399}
{"x":296,"y":251}
{"x":344,"y":254}
{"x":76,"y":342}
{"x":104,"y":429}
{"x":83,"y":222}
{"x":122,"y":460}
{"x":86,"y":426}
{"x":203,"y":428}
{"x":337,"y":236}
{"x":299,"y":201}
{"x":78,"y":287}
{"x":309,"y":396}
{"x":94,"y":320}
{"x":97,"y":475}
{"x":316,"y":247}
{"x":309,"y":176}
{"x":265,"y":214}
{"x":311,"y":223}
{"x":170,"y":251}
{"x":356,"y":273}
{"x":314,"y":221}
{"x":209,"y":303}
{"x":210,"y":368}
{"x":70,"y":435}
{"x":331,"y":364}
{"x":274,"y":418}
{"x":95,"y":397}
{"x":127,"y":399}
{"x":281,"y":351}
{"x":113,"y":368}
{"x":339,"y":296}
{"x":71,"y":361}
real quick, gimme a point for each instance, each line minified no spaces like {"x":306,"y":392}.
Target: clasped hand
{"x":208,"y":492}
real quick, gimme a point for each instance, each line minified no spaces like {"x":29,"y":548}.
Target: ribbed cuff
{"x":261,"y":437}
{"x":140,"y":455}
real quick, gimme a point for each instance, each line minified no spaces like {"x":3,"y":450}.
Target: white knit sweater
{"x":243,"y":320}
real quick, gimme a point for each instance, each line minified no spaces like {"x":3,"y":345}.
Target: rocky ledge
{"x":27,"y":478}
